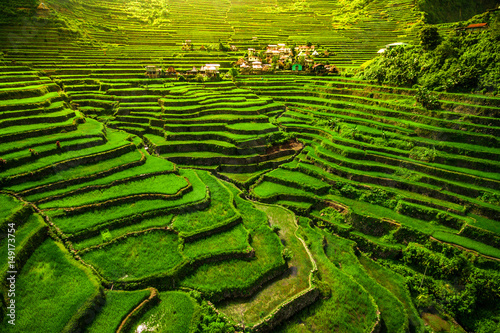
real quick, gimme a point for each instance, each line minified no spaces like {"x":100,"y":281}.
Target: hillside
{"x":453,"y":11}
{"x":150,"y":182}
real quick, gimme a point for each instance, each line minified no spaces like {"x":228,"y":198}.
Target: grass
{"x":486,"y":224}
{"x":160,"y":221}
{"x":168,"y":184}
{"x":235,"y":275}
{"x":136,"y":257}
{"x":24,"y":230}
{"x":341,"y":253}
{"x":467,"y":243}
{"x":221,"y":208}
{"x":79,"y":171}
{"x":119,"y":303}
{"x":50,"y":285}
{"x":304,"y":181}
{"x":396,"y":284}
{"x":7,"y":205}
{"x":116,"y":140}
{"x":250,"y":311}
{"x":176,"y":313}
{"x":378,"y":128}
{"x":234,"y":240}
{"x":268,"y":189}
{"x":350,"y":308}
{"x":153,"y":164}
{"x":90,"y":128}
{"x":27,"y":101}
{"x":91,"y":218}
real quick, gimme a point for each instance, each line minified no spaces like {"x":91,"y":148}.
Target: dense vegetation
{"x":459,"y":61}
{"x":452,"y":11}
{"x":364,"y":200}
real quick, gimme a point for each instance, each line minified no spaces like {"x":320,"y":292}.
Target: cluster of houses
{"x":209,"y":70}
{"x":275,"y":56}
{"x":282,"y":57}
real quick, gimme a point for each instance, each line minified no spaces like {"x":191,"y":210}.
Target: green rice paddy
{"x":281,"y":201}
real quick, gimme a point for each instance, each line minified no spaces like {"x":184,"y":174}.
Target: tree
{"x":274,"y":62}
{"x":223,"y":48}
{"x":233,"y":73}
{"x":302,"y":60}
{"x":427,"y":99}
{"x":495,"y":28}
{"x":429,"y":38}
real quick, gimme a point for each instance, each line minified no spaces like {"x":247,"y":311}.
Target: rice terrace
{"x":218,"y":166}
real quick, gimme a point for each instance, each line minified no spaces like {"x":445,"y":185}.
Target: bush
{"x":429,"y":38}
{"x":423,"y":154}
{"x":427,"y":99}
{"x":462,"y":62}
{"x":287,"y":254}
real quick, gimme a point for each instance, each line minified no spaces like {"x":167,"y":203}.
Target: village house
{"x":171,"y":71}
{"x":332,"y":69}
{"x":245,"y":68}
{"x":319,"y":69}
{"x":152,"y":71}
{"x":278,"y":50}
{"x":193,"y":71}
{"x":252,"y":55}
{"x":42,"y":9}
{"x":253,"y":58}
{"x":210,"y":70}
{"x":256,"y":66}
{"x":476,"y":27}
{"x":187,"y":45}
{"x":304,"y":48}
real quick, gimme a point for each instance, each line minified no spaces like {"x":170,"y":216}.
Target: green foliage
{"x":175,"y":313}
{"x":462,"y":62}
{"x":423,"y":154}
{"x":219,"y":278}
{"x":448,"y":280}
{"x":278,"y":138}
{"x":427,"y":99}
{"x":332,"y":215}
{"x":429,"y":38}
{"x":233,"y":73}
{"x":137,"y":256}
{"x":223,"y":48}
{"x":490,"y":197}
{"x":9,"y":9}
{"x":352,"y":11}
{"x":287,"y":254}
{"x":453,"y":11}
{"x":149,"y":185}
{"x":51,"y":285}
{"x":398,"y":65}
{"x":221,"y":208}
{"x":154,"y":12}
{"x":118,"y":304}
{"x":211,"y":322}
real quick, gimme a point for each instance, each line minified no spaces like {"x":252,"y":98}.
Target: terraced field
{"x":277,"y":202}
